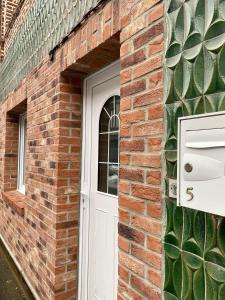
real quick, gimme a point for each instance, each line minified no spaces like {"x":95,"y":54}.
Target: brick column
{"x":140,"y":259}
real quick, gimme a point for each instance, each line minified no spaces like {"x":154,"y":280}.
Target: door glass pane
{"x":102,"y":177}
{"x":114,"y":123}
{"x":113,"y":147}
{"x":103,"y":147}
{"x":113,"y":179}
{"x":117,"y":103}
{"x":104,"y":121}
{"x":108,"y":162}
{"x":109,"y":106}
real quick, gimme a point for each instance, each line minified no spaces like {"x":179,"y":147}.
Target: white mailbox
{"x":201,"y":163}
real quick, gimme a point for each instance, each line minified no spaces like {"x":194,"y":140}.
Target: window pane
{"x":22,"y":153}
{"x":24,"y":156}
{"x":108,"y":163}
{"x":103,"y":148}
{"x":102,"y":178}
{"x":117,"y":100}
{"x":114,"y":123}
{"x":104,"y":122}
{"x":113,"y":147}
{"x":110,"y":107}
{"x":113,"y":179}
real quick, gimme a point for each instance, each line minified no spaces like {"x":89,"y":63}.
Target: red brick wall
{"x":45,"y":240}
{"x":140,"y":224}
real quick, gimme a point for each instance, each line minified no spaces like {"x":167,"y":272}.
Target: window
{"x":108,"y":161}
{"x":22,"y":153}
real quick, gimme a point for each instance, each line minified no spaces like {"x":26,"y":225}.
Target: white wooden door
{"x":99,"y":247}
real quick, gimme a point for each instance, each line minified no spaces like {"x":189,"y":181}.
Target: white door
{"x":99,"y":208}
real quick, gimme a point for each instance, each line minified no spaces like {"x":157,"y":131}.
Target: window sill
{"x":15,"y":200}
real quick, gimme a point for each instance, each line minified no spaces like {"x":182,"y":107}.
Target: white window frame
{"x":21,"y":154}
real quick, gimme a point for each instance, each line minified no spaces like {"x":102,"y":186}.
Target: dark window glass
{"x":102,"y":177}
{"x":103,"y":147}
{"x":113,"y":147}
{"x":109,"y":146}
{"x":104,"y":121}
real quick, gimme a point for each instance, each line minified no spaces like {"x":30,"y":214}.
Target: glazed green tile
{"x":199,"y":230}
{"x":193,"y":261}
{"x":214,"y":102}
{"x":169,"y":91}
{"x":173,"y":54}
{"x":168,"y":283}
{"x":221,"y":59}
{"x":187,"y":291}
{"x":192,"y":46}
{"x":221,"y":236}
{"x":182,"y":77}
{"x":194,"y":232}
{"x":170,"y":238}
{"x":183,"y":23}
{"x":178,"y":223}
{"x":221,"y":292}
{"x":215,"y":256}
{"x":215,"y":36}
{"x":169,"y":296}
{"x":221,"y":9}
{"x":166,"y":187}
{"x":187,"y":226}
{"x":193,"y":106}
{"x":171,"y":156}
{"x":204,"y":15}
{"x":177,"y":280}
{"x":173,"y":5}
{"x":192,"y":247}
{"x":199,"y":284}
{"x":173,"y":112}
{"x":216,"y":272}
{"x":204,"y":70}
{"x":172,"y":251}
{"x":195,"y":84}
{"x":211,"y":288}
{"x":171,"y":283}
{"x":171,"y":143}
{"x":170,"y":207}
{"x":211,"y":232}
{"x":171,"y":169}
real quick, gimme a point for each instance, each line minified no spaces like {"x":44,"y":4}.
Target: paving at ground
{"x":12,"y":285}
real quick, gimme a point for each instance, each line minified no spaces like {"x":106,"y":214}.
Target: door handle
{"x":84,"y":198}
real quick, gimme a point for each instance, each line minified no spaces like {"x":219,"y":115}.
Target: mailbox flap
{"x":203,"y":168}
{"x":205,"y":138}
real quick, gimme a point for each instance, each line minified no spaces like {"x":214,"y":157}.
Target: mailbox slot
{"x":205,"y":138}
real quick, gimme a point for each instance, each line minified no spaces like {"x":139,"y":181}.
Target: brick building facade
{"x":41,"y":228}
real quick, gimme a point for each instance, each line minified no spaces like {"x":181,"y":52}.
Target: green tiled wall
{"x":194,"y":242}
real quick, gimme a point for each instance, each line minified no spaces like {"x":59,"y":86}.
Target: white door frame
{"x":90,"y":82}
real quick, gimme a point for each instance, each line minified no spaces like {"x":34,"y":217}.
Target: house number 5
{"x":190,"y":193}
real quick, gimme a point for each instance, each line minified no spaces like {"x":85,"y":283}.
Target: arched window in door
{"x":108,"y":158}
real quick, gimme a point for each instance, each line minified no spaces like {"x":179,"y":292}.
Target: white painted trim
{"x":90,"y":82}
{"x":20,"y":270}
{"x":21,"y":154}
